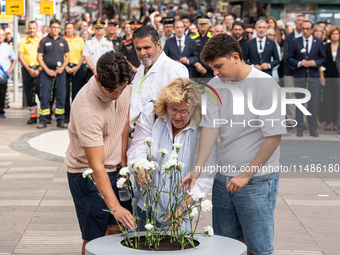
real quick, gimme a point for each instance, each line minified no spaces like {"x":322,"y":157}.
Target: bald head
{"x":218,"y":29}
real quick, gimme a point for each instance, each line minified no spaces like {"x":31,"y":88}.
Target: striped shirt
{"x":96,"y":121}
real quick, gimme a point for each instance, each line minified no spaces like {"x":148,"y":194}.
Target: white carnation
{"x":174,"y":156}
{"x":181,"y":165}
{"x":194,"y":211}
{"x":58,"y":64}
{"x":260,"y":51}
{"x":121,"y":182}
{"x":165,"y":151}
{"x":75,"y":62}
{"x":208,"y":230}
{"x":206,"y":205}
{"x":148,"y":140}
{"x":124,"y":171}
{"x":32,"y":64}
{"x":303,"y":50}
{"x":200,"y":195}
{"x":149,"y":226}
{"x":88,"y":171}
{"x":178,"y":145}
{"x":134,"y":161}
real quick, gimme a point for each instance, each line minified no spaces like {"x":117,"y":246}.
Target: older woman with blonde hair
{"x":171,"y":119}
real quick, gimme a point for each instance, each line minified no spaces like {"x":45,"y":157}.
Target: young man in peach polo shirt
{"x":98,"y":131}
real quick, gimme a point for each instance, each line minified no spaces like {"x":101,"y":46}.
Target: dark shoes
{"x":313,"y":133}
{"x":2,"y":116}
{"x":299,"y":133}
{"x":41,"y":126}
{"x":32,"y":121}
{"x":62,"y":124}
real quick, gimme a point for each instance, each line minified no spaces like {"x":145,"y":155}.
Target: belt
{"x":34,"y":67}
{"x":71,"y":65}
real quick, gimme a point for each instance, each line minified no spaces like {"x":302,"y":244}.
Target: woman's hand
{"x":189,"y":179}
{"x":142,"y":178}
{"x":175,"y":216}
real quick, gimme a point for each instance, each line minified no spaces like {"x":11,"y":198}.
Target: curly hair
{"x":113,"y":70}
{"x":180,"y":90}
{"x":220,"y":46}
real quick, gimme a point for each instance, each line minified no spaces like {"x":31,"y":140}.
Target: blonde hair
{"x":182,"y":91}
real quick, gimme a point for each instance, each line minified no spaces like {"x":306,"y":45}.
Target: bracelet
{"x":183,"y":207}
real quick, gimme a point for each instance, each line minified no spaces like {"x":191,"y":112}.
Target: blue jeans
{"x":247,"y":215}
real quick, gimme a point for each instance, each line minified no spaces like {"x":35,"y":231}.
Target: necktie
{"x":260,"y":45}
{"x":179,"y":47}
{"x":307,"y":46}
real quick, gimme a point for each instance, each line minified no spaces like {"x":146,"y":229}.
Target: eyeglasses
{"x":249,"y":32}
{"x":55,"y":27}
{"x":183,"y":113}
{"x":272,"y":34}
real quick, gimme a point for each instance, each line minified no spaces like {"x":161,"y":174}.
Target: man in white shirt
{"x":156,"y":71}
{"x":245,"y":188}
{"x":96,"y":47}
{"x":7,"y":56}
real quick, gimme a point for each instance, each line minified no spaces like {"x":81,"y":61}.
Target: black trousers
{"x":3,"y":89}
{"x":76,"y":82}
{"x":31,"y":87}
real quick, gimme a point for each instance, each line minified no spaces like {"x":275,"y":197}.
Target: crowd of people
{"x":266,"y":45}
{"x":136,"y":75}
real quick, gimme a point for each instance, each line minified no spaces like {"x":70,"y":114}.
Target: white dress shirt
{"x":7,"y":55}
{"x":297,"y":35}
{"x":94,"y":49}
{"x":263,"y":43}
{"x":146,"y":87}
{"x":310,"y":41}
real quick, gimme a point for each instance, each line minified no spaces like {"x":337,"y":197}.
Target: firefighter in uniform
{"x":112,"y":35}
{"x":28,"y":48}
{"x":201,"y":37}
{"x":95,"y":48}
{"x":53,"y":57}
{"x":128,"y":48}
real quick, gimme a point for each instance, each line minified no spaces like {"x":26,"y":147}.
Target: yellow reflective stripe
{"x":140,"y":84}
{"x":209,"y":35}
{"x":195,"y":35}
{"x":59,"y":111}
{"x":45,"y":112}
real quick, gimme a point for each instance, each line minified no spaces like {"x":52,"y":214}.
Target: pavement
{"x":37,"y":214}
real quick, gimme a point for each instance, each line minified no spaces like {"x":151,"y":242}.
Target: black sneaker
{"x":32,"y":121}
{"x":62,"y":124}
{"x":41,"y":126}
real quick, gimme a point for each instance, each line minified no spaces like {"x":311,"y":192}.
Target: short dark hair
{"x":112,"y":70}
{"x":237,"y":23}
{"x":146,"y":31}
{"x":308,"y":21}
{"x":54,"y":21}
{"x":69,"y":23}
{"x":218,"y":46}
{"x":33,"y":22}
{"x":249,"y":26}
{"x":185,"y":16}
{"x":227,"y":16}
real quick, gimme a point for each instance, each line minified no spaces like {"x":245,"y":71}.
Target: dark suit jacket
{"x":289,"y":70}
{"x":190,"y":51}
{"x":317,"y":53}
{"x":269,"y":51}
{"x":330,"y":65}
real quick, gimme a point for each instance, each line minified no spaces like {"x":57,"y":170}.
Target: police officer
{"x":168,"y":28}
{"x":53,"y":57}
{"x":112,"y":35}
{"x":128,"y":48}
{"x":201,"y":37}
{"x":28,"y":48}
{"x":96,"y":47}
